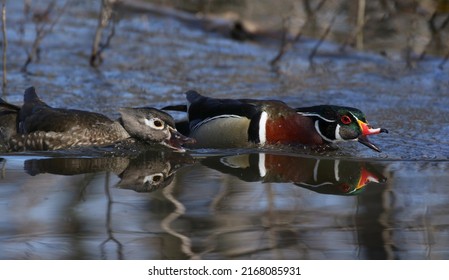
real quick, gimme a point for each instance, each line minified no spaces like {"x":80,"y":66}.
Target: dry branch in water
{"x":104,"y":19}
{"x":43,"y":28}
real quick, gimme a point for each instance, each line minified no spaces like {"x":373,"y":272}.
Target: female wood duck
{"x":227,"y":123}
{"x":38,"y":126}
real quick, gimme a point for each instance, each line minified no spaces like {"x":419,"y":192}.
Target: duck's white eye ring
{"x":153,"y":179}
{"x":155,"y":123}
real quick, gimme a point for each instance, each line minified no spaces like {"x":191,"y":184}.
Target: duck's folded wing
{"x":61,"y":120}
{"x":201,"y":108}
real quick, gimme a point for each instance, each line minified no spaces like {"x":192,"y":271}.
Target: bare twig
{"x":103,"y":21}
{"x":353,"y":37}
{"x":319,"y":6}
{"x":444,"y":23}
{"x":5,"y":45}
{"x":435,"y":33}
{"x":445,"y":59}
{"x":286,"y":44}
{"x":411,"y":40}
{"x":446,"y":56}
{"x":42,"y":30}
{"x":357,"y":36}
{"x":323,"y":36}
{"x":308,"y":8}
{"x":360,"y":23}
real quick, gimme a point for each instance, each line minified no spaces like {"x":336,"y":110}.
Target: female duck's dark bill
{"x":176,"y":140}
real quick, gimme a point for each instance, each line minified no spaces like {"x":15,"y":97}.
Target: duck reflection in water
{"x":146,"y":172}
{"x":327,"y":176}
{"x":153,"y":170}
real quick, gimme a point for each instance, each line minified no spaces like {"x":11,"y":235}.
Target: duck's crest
{"x":30,"y":98}
{"x":193,"y":96}
{"x":5,"y":106}
{"x":30,"y":95}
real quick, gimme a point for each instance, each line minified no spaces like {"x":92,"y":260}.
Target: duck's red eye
{"x":345,"y":119}
{"x":344,"y":187}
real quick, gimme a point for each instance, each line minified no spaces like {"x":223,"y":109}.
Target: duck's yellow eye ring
{"x":345,"y":119}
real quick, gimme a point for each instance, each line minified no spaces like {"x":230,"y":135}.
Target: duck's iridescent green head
{"x":338,"y":123}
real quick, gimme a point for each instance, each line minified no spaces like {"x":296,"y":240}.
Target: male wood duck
{"x":227,"y":123}
{"x":38,"y":126}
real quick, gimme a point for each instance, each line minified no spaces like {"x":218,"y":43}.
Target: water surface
{"x":279,"y":203}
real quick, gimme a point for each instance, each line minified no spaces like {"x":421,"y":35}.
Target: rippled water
{"x":282,"y":203}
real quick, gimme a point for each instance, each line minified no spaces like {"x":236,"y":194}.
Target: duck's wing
{"x":8,"y":121}
{"x":5,"y":106}
{"x":202,"y":109}
{"x":30,"y":115}
{"x":36,"y":115}
{"x":179,"y":108}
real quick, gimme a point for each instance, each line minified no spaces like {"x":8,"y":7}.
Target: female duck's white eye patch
{"x":153,"y":178}
{"x":155,"y":123}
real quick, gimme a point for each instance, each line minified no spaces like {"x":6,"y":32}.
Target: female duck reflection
{"x":147,"y":172}
{"x":327,"y":176}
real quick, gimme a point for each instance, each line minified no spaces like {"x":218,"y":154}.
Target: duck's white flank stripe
{"x":262,"y":168}
{"x":315,"y":170}
{"x":337,"y":170}
{"x":263,"y":128}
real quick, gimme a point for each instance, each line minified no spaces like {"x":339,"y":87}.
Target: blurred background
{"x":413,"y":28}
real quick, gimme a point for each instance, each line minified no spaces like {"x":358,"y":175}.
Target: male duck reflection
{"x":37,"y":126}
{"x":232,"y":123}
{"x":327,"y":176}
